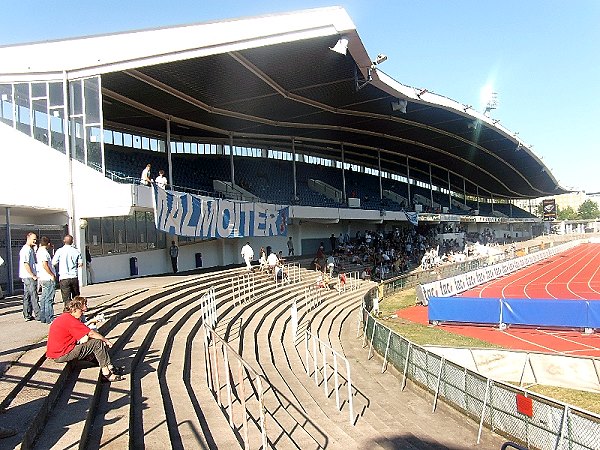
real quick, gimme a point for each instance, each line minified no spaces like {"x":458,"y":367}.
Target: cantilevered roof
{"x":268,"y":80}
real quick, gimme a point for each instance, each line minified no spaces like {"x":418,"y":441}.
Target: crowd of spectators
{"x":383,"y":255}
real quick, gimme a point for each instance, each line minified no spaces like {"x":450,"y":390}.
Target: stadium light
{"x":380,"y":59}
{"x":341,"y":46}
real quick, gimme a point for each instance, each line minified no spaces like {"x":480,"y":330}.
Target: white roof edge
{"x":106,"y":53}
{"x":387,"y":84}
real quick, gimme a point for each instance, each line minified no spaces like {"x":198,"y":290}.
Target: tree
{"x":588,"y":210}
{"x":566,"y":214}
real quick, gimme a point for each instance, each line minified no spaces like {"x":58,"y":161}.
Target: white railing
{"x":320,"y":351}
{"x":221,"y":359}
{"x":312,"y":297}
{"x":208,"y":305}
{"x":347,"y":281}
{"x":291,"y":274}
{"x":242,"y":288}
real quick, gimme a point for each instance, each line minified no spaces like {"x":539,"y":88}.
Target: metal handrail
{"x":213,"y":381}
{"x":319,"y":344}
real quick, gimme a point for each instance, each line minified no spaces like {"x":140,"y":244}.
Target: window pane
{"x":22,"y":106}
{"x":57,"y":135}
{"x":108,"y":235}
{"x":6,"y":104}
{"x":131,"y":233}
{"x":140,"y":218}
{"x":77,"y":144}
{"x":94,"y":149}
{"x":150,"y":230}
{"x":40,"y":120}
{"x":56,"y":94}
{"x":92,"y":100}
{"x":120,"y":242}
{"x":76,"y":97}
{"x":38,"y":90}
{"x":94,"y":238}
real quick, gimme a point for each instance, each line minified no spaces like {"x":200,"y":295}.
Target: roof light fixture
{"x":399,"y":105}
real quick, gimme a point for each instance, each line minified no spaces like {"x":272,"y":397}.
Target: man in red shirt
{"x":69,"y":339}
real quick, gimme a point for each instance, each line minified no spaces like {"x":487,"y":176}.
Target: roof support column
{"x":492,"y":197}
{"x":477,"y":186}
{"x":430,"y":187}
{"x":465,"y":191}
{"x":231,"y":165}
{"x":10,"y":286}
{"x":168,"y":148}
{"x":294,"y":167}
{"x":449,"y":193}
{"x":408,"y":183}
{"x":379,"y":167}
{"x":343,"y":175}
{"x":68,"y":136}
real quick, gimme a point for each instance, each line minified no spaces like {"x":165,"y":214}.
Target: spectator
{"x":88,"y":266}
{"x":248,"y":255}
{"x":28,"y":274}
{"x":332,"y":242}
{"x":262,"y":259}
{"x":161,"y":180}
{"x":174,"y":253}
{"x":68,"y":259}
{"x":272,"y":261}
{"x":145,"y":178}
{"x":47,"y":279}
{"x":290,"y":246}
{"x":69,"y":339}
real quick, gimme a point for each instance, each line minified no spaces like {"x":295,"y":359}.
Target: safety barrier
{"x":208,"y":306}
{"x":465,"y":281}
{"x":236,"y":408}
{"x":512,"y":311}
{"x":242,"y":288}
{"x":291,"y":274}
{"x":543,"y":423}
{"x":347,"y":281}
{"x":320,"y":350}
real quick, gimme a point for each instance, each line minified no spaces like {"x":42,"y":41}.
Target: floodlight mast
{"x":492,"y":103}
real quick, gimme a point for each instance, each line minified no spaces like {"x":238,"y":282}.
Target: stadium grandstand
{"x":267,"y":128}
{"x":286,"y":110}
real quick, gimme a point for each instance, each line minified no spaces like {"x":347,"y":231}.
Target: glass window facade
{"x":123,"y":234}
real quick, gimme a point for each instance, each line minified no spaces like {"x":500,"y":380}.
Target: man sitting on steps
{"x":69,"y":339}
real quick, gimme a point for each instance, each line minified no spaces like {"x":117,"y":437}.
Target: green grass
{"x":428,"y":335}
{"x":418,"y":333}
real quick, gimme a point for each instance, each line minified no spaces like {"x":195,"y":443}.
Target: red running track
{"x":574,"y":274}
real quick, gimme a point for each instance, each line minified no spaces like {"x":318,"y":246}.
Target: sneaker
{"x":29,"y":319}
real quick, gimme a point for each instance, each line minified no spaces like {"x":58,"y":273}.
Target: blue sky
{"x":541,"y":56}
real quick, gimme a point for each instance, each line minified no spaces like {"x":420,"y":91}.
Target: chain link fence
{"x":493,"y":404}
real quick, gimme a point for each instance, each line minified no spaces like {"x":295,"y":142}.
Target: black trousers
{"x":92,"y":347}
{"x":174,"y":263}
{"x":69,"y":288}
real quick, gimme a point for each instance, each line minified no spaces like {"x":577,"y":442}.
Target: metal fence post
{"x":406,"y":366}
{"x":372,"y":337}
{"x":485,"y":399}
{"x":387,"y":346}
{"x":563,"y":424}
{"x":439,"y":382}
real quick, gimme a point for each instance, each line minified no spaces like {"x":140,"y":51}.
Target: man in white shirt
{"x":248,"y":255}
{"x":145,"y":178}
{"x":28,"y":274}
{"x":47,"y":278}
{"x":272,"y":261}
{"x":161,"y":180}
